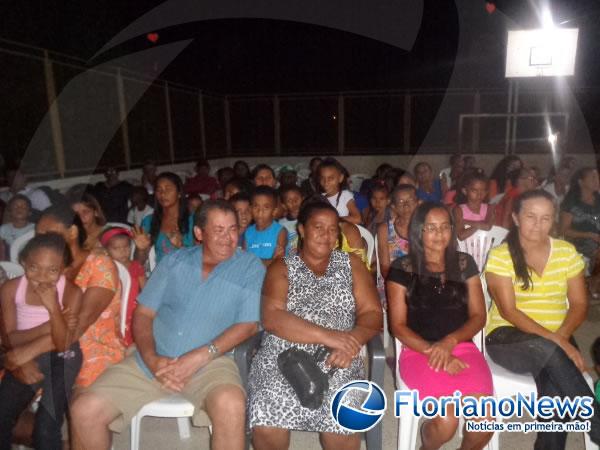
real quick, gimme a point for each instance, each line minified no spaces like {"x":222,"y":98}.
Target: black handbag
{"x":301,"y":370}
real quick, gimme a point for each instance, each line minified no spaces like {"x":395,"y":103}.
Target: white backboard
{"x":541,"y":53}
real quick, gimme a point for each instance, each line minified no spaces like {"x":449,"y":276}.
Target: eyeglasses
{"x":433,"y":228}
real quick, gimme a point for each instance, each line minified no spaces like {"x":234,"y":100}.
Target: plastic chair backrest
{"x":18,"y":245}
{"x":118,"y":224}
{"x":13,"y":270}
{"x":368,"y":237}
{"x":356,"y":180}
{"x":125,"y":288}
{"x":152,"y":258}
{"x":495,"y":200}
{"x":479,"y":244}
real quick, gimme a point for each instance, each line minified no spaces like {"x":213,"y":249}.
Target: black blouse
{"x":435,"y":308}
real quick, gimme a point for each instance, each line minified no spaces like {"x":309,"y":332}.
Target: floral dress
{"x":100,"y":344}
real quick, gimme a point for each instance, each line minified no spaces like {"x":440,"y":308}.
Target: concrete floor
{"x":159,"y":434}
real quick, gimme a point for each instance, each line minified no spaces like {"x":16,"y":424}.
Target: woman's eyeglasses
{"x":433,"y":228}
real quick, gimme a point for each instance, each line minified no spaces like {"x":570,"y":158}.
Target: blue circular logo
{"x":370,"y":412}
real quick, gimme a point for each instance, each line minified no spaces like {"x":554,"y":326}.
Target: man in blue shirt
{"x":199,"y":303}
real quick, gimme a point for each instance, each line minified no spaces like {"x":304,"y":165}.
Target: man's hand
{"x":28,"y":373}
{"x":167,"y":381}
{"x":184,"y":367}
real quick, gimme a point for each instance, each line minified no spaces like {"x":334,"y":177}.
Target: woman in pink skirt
{"x":436,"y":307}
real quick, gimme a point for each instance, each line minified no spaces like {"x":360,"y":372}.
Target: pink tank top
{"x":30,"y":316}
{"x":470,"y":215}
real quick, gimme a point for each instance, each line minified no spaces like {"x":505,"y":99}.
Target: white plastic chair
{"x":118,"y":224}
{"x":408,"y":427}
{"x":356,"y":180}
{"x":496,"y":199}
{"x":368,"y":237}
{"x":386,"y":332}
{"x":125,"y":289}
{"x":509,"y":384}
{"x":13,"y":270}
{"x":18,"y":245}
{"x":152,"y":258}
{"x":479,"y":244}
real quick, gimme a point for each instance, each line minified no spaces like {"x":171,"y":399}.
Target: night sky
{"x":260,"y":56}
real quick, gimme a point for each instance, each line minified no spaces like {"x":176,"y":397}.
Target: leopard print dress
{"x":327,"y":301}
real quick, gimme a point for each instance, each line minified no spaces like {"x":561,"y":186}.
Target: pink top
{"x":473,"y":217}
{"x":30,"y":316}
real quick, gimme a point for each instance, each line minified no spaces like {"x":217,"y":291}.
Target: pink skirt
{"x":475,"y":379}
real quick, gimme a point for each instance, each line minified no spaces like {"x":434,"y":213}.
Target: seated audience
{"x":392,"y":236}
{"x":580,"y":215}
{"x":472,"y":213}
{"x":407,"y":178}
{"x":113,"y":196}
{"x":117,"y":242}
{"x":436,"y":307}
{"x":310,"y":186}
{"x":236,"y":185}
{"x":42,"y":298}
{"x":540,"y":299}
{"x":287,"y":177}
{"x":378,"y":211}
{"x":499,"y":180}
{"x":558,"y":184}
{"x":333,"y":179}
{"x":520,"y":181}
{"x":202,"y":182}
{"x":291,"y":198}
{"x":198,"y":305}
{"x":19,"y":213}
{"x":264,"y":175}
{"x":149,"y":176}
{"x":194,"y":203}
{"x":17,"y":184}
{"x":241,"y":170}
{"x":243,"y":211}
{"x":429,"y":188}
{"x":317,"y":297}
{"x":224,"y":176}
{"x":140,"y":207}
{"x":450,"y":175}
{"x":266,"y":238}
{"x":169,"y":227}
{"x":92,"y":216}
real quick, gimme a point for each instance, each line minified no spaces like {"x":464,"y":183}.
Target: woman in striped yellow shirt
{"x":540,"y":299}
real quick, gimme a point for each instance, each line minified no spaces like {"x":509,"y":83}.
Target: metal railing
{"x":171,"y":123}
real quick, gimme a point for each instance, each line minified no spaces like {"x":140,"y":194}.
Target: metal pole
{"x":202,"y":124}
{"x":407,"y":122}
{"x":123,"y":117}
{"x":169,"y":123}
{"x":227,"y":125}
{"x":276,"y":125}
{"x":513,"y":144}
{"x":57,"y":138}
{"x":341,"y":125}
{"x":476,"y":109}
{"x":508,"y":117}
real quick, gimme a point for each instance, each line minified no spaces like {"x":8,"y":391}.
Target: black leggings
{"x":554,"y":373}
{"x":59,"y":377}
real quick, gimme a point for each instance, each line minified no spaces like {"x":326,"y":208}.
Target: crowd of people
{"x":255,"y":249}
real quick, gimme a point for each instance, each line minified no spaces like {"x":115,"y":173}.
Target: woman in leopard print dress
{"x":318,"y":297}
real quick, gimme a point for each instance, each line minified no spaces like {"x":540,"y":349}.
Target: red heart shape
{"x":490,"y":7}
{"x":152,"y":37}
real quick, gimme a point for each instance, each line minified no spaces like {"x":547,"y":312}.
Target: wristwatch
{"x":213,"y":350}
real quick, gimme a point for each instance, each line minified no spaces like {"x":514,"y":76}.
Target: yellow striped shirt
{"x":546,"y":302}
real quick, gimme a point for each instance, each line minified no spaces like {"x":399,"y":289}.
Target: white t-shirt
{"x":342,"y":204}
{"x":8,"y":232}
{"x":551,"y":188}
{"x":135,"y":216}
